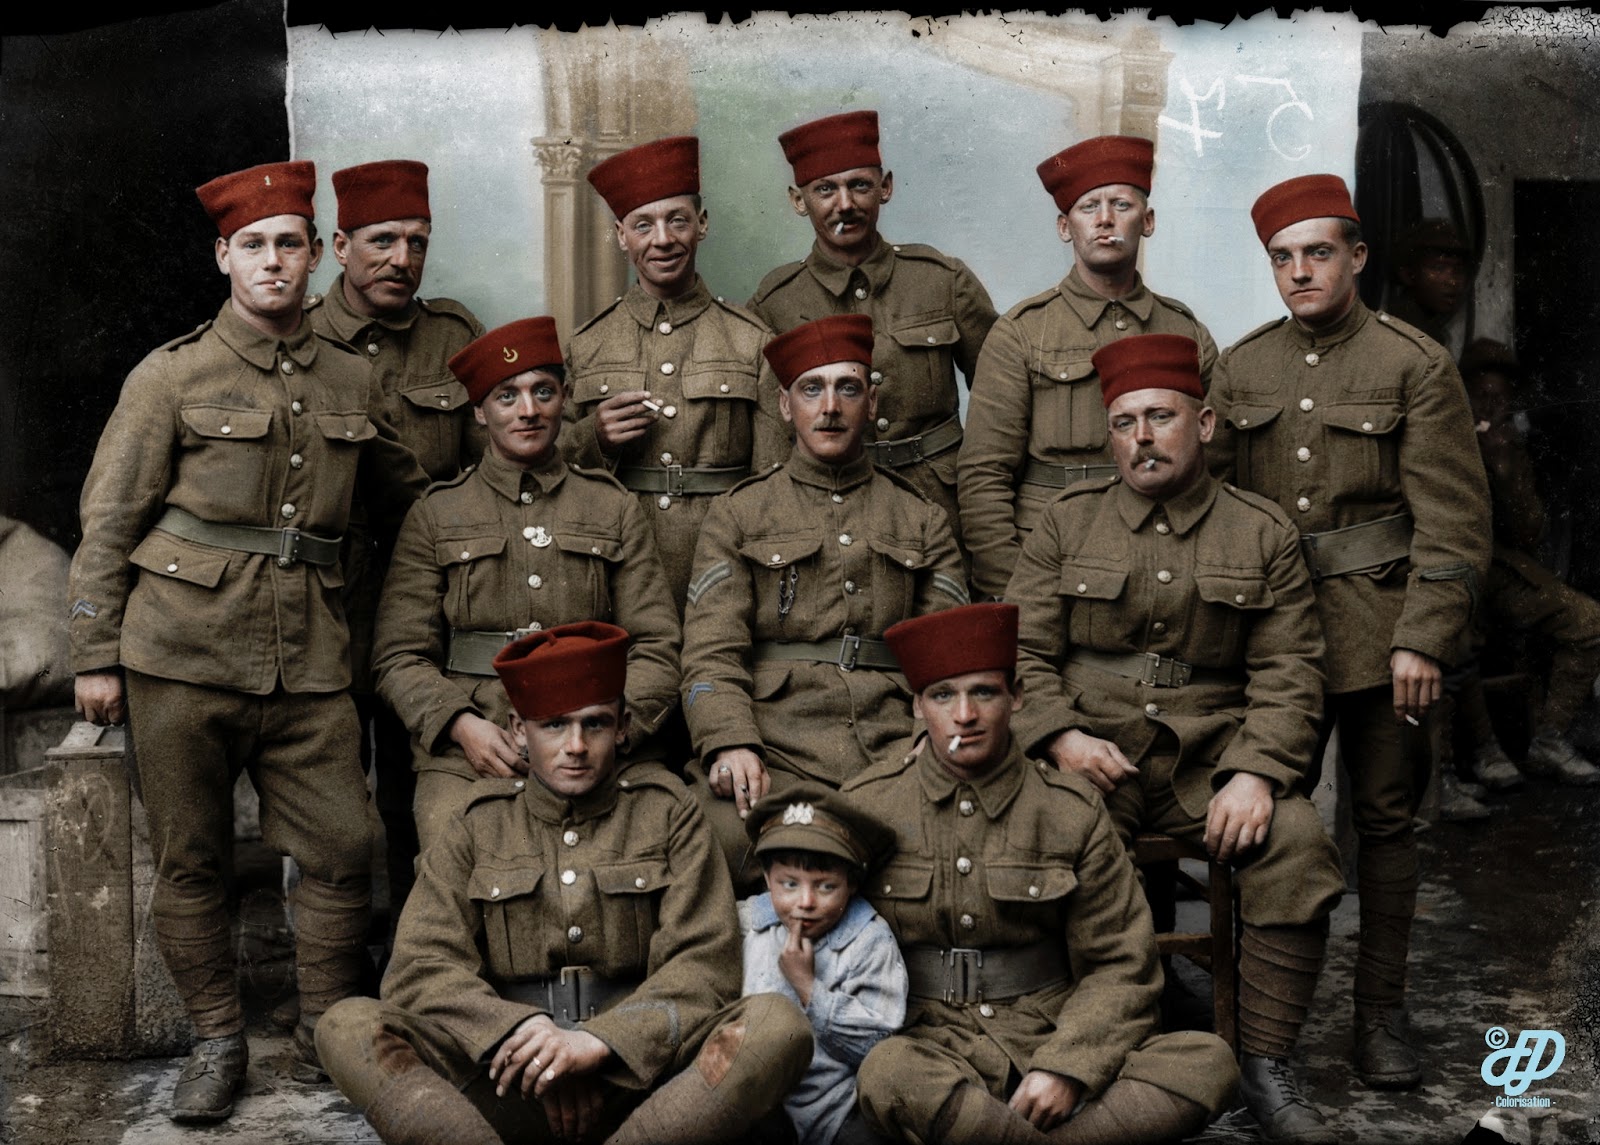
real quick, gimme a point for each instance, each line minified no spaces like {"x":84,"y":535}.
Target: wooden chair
{"x":1216,"y":952}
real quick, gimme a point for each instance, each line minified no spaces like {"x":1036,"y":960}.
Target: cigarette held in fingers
{"x":955,"y":742}
{"x":1412,"y":720}
{"x":650,"y":405}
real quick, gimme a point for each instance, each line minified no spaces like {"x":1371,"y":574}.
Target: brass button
{"x":288,"y":367}
{"x":568,"y":878}
{"x":1164,"y":576}
{"x":1238,"y":598}
{"x":296,"y":408}
{"x":986,"y":1010}
{"x":667,"y":368}
{"x":666,"y":459}
{"x":605,"y":387}
{"x":887,"y":887}
{"x":465,"y":554}
{"x":1152,"y":710}
{"x":723,"y":388}
{"x":284,"y":562}
{"x":1312,"y":358}
{"x":575,"y":934}
{"x":536,"y":581}
{"x":845,"y":539}
{"x":494,"y":892}
{"x":372,"y":347}
{"x":883,"y":423}
{"x":663,"y":502}
{"x":287,"y":510}
{"x":861,"y":292}
{"x":1307,"y":404}
{"x":1083,"y":586}
{"x":525,"y":497}
{"x":172,"y":568}
{"x":1302,"y":454}
{"x":528,"y":532}
{"x":1159,"y":626}
{"x":638,"y":882}
{"x":444,"y":402}
{"x":1163,"y":528}
{"x":535,"y":626}
{"x":349,"y":433}
{"x":776,"y":558}
{"x":1366,"y":427}
{"x":910,"y":564}
{"x":669,"y":411}
{"x":296,"y":461}
{"x":837,"y":498}
{"x":932,"y":341}
{"x":964,"y":865}
{"x":1120,"y":324}
{"x":876,"y":376}
{"x":850,"y":587}
{"x":965,"y":807}
{"x":1244,"y":421}
{"x":519,"y":784}
{"x":968,"y":922}
{"x":595,"y":549}
{"x":665,"y":327}
{"x":1303,"y":504}
{"x":570,"y":838}
{"x":227,"y":429}
{"x":1033,"y":892}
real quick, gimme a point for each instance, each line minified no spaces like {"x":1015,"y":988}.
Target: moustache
{"x":1148,"y":457}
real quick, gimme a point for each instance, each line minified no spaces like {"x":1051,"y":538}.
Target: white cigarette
{"x":838,"y":228}
{"x":1412,"y":720}
{"x":955,"y":742}
{"x":650,"y":405}
{"x":1151,"y":464}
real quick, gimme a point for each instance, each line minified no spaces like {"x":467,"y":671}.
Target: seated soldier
{"x":798,"y":572}
{"x":1033,"y":967}
{"x":1171,"y":649}
{"x":567,"y":964}
{"x":815,"y":939}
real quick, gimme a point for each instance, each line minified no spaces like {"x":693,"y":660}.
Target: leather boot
{"x":419,"y":1107}
{"x":209,"y":1079}
{"x":1273,"y":1097}
{"x":305,"y":1066}
{"x":1384,"y":1057}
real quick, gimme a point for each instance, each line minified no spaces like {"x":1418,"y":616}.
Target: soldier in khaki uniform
{"x":1033,"y":965}
{"x":524,"y":541}
{"x":209,"y":579}
{"x":1036,"y":424}
{"x":1357,"y":426}
{"x":669,"y":388}
{"x":1172,"y":656}
{"x":799,"y":571}
{"x":568,"y":965}
{"x":929,"y":313}
{"x":385,"y":224}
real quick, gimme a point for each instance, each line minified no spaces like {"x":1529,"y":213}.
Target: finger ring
{"x":725,"y":769}
{"x":744,"y":788}
{"x":536,"y":1063}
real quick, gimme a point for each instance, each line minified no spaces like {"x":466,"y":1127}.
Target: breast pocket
{"x":1091,"y":593}
{"x":225,"y":439}
{"x":921,"y":374}
{"x":1068,"y":413}
{"x":783,"y":575}
{"x":591,"y":387}
{"x":590,"y":559}
{"x":1252,"y":462}
{"x":630,"y":894}
{"x":1229,"y":601}
{"x":469,"y":565}
{"x":897,"y":563}
{"x":1363,"y":445}
{"x":722,"y":396}
{"x":343,"y":434}
{"x":506,"y":900}
{"x":901,"y":892}
{"x":428,"y":416}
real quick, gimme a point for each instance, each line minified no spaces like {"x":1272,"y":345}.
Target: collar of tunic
{"x":509,"y":481}
{"x":1341,"y":331}
{"x":1091,"y":307}
{"x":1184,"y":511}
{"x":261,"y":350}
{"x":347,"y":323}
{"x":995,"y":789}
{"x":856,"y":915}
{"x":648,"y":310}
{"x":835,"y":277}
{"x":548,"y":807}
{"x":807,"y":470}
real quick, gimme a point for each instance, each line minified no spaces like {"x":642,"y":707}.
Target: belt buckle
{"x":849,"y":652}
{"x":674,"y":480}
{"x":959,"y":962}
{"x":575,"y":1007}
{"x":1164,"y":671}
{"x":288,"y":547}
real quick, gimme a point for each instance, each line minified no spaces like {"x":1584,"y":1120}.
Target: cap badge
{"x":798,"y":813}
{"x":268,"y":179}
{"x":509,"y":354}
{"x":537,"y":536}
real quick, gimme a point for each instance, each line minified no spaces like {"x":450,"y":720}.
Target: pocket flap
{"x":599,"y":385}
{"x":440,"y":394}
{"x":488,"y":884}
{"x":590,"y":545}
{"x":902,"y":880}
{"x":633,"y":878}
{"x":346,"y":426}
{"x":221,"y":421}
{"x":1088,"y":582}
{"x":903,"y":553}
{"x":1249,"y":417}
{"x":166,"y":555}
{"x":723,"y":380}
{"x":1068,"y":367}
{"x":939,"y":331}
{"x":459,"y":550}
{"x":1364,"y":419}
{"x":1021,"y":882}
{"x":1234,"y":590}
{"x":780,"y":552}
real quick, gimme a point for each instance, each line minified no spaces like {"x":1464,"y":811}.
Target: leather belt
{"x":472,"y":653}
{"x":1357,"y":547}
{"x":961,"y":975}
{"x":676,"y":481}
{"x":910,"y":450}
{"x":848,"y":652}
{"x":1037,"y":472}
{"x":288,"y":545}
{"x":1149,"y":668}
{"x":575,"y":995}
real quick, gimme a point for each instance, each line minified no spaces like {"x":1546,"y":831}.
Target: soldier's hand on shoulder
{"x":1046,"y":1099}
{"x":489,"y":748}
{"x":99,"y":697}
{"x":1099,"y":761}
{"x":621,"y":418}
{"x":737,"y":773}
{"x":1239,"y":816}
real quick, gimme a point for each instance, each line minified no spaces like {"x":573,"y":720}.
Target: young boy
{"x":813,"y":939}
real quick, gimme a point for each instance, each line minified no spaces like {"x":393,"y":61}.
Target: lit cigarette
{"x":650,"y":405}
{"x":1412,"y":720}
{"x":955,"y":742}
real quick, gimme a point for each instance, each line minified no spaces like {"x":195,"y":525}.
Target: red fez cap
{"x":378,"y":192}
{"x":237,"y":200}
{"x":504,"y":352}
{"x":564,"y":668}
{"x":1303,"y":197}
{"x":939,"y":645}
{"x":828,"y":146}
{"x":1148,"y":362}
{"x":837,"y":338}
{"x":1097,"y":162}
{"x":649,"y":172}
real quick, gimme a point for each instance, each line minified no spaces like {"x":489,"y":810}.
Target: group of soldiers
{"x":705,"y":553}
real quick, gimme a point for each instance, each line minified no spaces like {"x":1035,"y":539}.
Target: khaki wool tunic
{"x":701,"y":358}
{"x":1213,"y":578}
{"x":1358,"y":422}
{"x":624,"y":880}
{"x":236,"y":427}
{"x":930,"y":315}
{"x":810,"y":552}
{"x":499,"y":549}
{"x":1036,"y":397}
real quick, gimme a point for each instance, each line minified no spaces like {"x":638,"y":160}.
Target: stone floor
{"x":1507,"y":934}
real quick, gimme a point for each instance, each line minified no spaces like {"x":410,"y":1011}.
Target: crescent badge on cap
{"x":509,"y":354}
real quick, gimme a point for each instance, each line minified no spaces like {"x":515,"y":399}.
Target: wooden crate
{"x":24,"y":918}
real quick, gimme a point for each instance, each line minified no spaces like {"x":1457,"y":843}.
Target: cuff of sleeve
{"x":434,"y":732}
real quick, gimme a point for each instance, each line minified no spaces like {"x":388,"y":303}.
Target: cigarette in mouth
{"x":650,"y":405}
{"x":838,"y":228}
{"x":955,"y":742}
{"x":1412,"y":720}
{"x":1151,"y":464}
